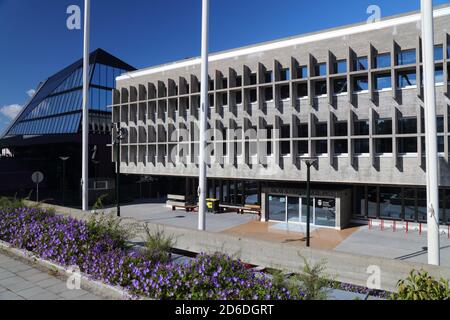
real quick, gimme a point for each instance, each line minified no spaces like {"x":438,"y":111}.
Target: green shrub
{"x":157,"y":245}
{"x":11,"y":203}
{"x":314,"y":281}
{"x":419,"y":285}
{"x":101,"y":224}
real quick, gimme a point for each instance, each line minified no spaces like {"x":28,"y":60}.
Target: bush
{"x":314,"y":281}
{"x":419,"y":285}
{"x":158,"y":246}
{"x":10,"y":203}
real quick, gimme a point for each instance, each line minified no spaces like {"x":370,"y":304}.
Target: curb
{"x":93,"y":286}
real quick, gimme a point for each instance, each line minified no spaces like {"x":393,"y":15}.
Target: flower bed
{"x":70,"y":242}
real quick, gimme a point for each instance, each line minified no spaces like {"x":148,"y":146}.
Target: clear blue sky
{"x":36,"y":42}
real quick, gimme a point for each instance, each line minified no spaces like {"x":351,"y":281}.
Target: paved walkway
{"x":19,"y":281}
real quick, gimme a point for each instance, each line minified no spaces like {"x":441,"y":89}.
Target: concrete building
{"x":350,"y":96}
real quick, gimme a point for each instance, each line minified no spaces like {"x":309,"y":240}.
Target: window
{"x":372,"y":202}
{"x":360,"y":64}
{"x":383,"y":81}
{"x":268,"y":94}
{"x":285,"y":92}
{"x":302,"y":147}
{"x":439,"y":75}
{"x":253,"y":96}
{"x":405,"y":57}
{"x":340,"y":128}
{"x":361,"y":127}
{"x":383,"y":146}
{"x":269,"y":130}
{"x":390,"y":203}
{"x":224,"y":83}
{"x":361,"y":146}
{"x":302,"y":90}
{"x":285,"y":148}
{"x":320,"y":69}
{"x":321,"y":129}
{"x":383,"y":60}
{"x":407,"y":145}
{"x":224,"y":99}
{"x":340,"y":86}
{"x":340,"y":146}
{"x":303,"y":130}
{"x":409,"y":200}
{"x":211,"y":85}
{"x":285,"y":131}
{"x":321,"y":147}
{"x":211,"y":100}
{"x":440,"y":124}
{"x":407,"y":125}
{"x":320,"y":88}
{"x":238,"y":81}
{"x":268,"y":76}
{"x":302,"y":72}
{"x":438,"y":53}
{"x":238,"y":97}
{"x":340,"y":66}
{"x":285,"y":74}
{"x":253,"y":79}
{"x":383,"y":126}
{"x":407,"y":79}
{"x":361,"y":83}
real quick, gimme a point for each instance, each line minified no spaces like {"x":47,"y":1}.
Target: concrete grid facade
{"x":351,"y":96}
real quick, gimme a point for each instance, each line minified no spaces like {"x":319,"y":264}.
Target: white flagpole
{"x":85,"y":125}
{"x":431,"y":132}
{"x":204,"y":106}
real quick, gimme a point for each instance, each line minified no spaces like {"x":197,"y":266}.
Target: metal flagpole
{"x":431,"y":132}
{"x":204,"y":106}
{"x":85,"y":125}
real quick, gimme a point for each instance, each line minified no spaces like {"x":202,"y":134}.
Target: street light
{"x":64,"y":160}
{"x":120,"y":135}
{"x":309,"y":163}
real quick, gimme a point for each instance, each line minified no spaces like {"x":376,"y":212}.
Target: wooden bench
{"x":188,"y":208}
{"x":244,"y":209}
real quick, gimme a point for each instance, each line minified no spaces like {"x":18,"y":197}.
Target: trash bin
{"x":212,"y":205}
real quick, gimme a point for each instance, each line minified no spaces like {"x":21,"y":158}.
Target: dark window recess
{"x":390,"y":203}
{"x":211,"y":85}
{"x":340,"y":86}
{"x":321,"y":129}
{"x":268,"y":94}
{"x":253,"y":79}
{"x":224,"y":83}
{"x":407,"y":145}
{"x":238,"y":97}
{"x":320,"y":88}
{"x":285,"y":148}
{"x":340,"y":66}
{"x":285,"y":74}
{"x":211,"y":100}
{"x":340,"y":128}
{"x":340,"y":146}
{"x":320,"y":69}
{"x":302,"y":90}
{"x":407,"y":125}
{"x":383,"y":146}
{"x":361,"y":127}
{"x":224,"y":99}
{"x":383,"y":60}
{"x":284,"y":92}
{"x":269,"y":130}
{"x":302,"y":147}
{"x":383,"y":126}
{"x":303,"y":131}
{"x":321,"y":147}
{"x":285,"y":131}
{"x":239,"y":81}
{"x":268,"y":76}
{"x":439,"y":124}
{"x":253,"y":96}
{"x":361,"y":146}
{"x":406,"y":57}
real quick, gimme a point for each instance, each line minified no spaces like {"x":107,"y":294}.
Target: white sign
{"x":37,"y":177}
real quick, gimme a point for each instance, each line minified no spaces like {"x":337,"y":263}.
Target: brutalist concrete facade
{"x":340,"y":112}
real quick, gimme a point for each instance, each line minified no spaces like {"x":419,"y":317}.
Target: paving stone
{"x":37,"y":277}
{"x":58,"y":288}
{"x":44,"y":296}
{"x":8,"y":295}
{"x":16,"y":283}
{"x":48,"y":282}
{"x":72,"y":294}
{"x":87,"y":296}
{"x":31,"y":292}
{"x":6,"y":275}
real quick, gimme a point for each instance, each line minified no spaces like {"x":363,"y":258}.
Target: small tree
{"x":419,"y":285}
{"x":314,"y":281}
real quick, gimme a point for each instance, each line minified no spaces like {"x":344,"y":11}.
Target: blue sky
{"x":36,"y":42}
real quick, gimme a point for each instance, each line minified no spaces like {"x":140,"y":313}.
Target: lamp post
{"x":309,"y":163}
{"x":64,"y":160}
{"x":432,"y":174}
{"x":120,"y":135}
{"x":204,"y":107}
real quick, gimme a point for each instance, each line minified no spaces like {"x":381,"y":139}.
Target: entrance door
{"x":293,"y":210}
{"x":325,"y":212}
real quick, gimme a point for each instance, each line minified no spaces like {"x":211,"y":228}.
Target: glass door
{"x":277,"y":208}
{"x":325,"y":212}
{"x":293,"y":210}
{"x":304,"y":207}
